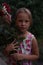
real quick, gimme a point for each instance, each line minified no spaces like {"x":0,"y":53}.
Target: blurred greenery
{"x":36,"y":7}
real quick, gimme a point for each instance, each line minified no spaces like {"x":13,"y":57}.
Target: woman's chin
{"x":22,"y":31}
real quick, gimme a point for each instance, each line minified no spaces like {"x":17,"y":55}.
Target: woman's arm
{"x":35,"y":51}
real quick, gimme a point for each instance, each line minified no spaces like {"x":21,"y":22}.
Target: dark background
{"x":36,"y":7}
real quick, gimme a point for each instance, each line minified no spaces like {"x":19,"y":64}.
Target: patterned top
{"x":25,"y":48}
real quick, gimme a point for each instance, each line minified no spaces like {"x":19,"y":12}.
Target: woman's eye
{"x":26,"y":21}
{"x":20,"y":20}
{"x":23,"y":21}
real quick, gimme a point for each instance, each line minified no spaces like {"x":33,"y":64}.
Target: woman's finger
{"x":16,"y":47}
{"x":15,"y":43}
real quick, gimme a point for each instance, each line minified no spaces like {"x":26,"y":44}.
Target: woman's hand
{"x":17,"y":56}
{"x":7,"y":18}
{"x":11,"y":47}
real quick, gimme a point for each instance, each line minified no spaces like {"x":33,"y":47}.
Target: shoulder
{"x":31,"y":35}
{"x":34,"y":40}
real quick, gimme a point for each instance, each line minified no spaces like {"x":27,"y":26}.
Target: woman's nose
{"x":23,"y":23}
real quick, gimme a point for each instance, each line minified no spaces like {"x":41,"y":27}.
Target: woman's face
{"x":23,"y":21}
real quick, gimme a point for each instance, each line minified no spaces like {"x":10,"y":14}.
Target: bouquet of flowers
{"x":4,"y":9}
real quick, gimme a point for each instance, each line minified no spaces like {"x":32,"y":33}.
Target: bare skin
{"x":7,"y":18}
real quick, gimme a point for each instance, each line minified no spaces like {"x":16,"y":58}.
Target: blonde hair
{"x":20,"y":10}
